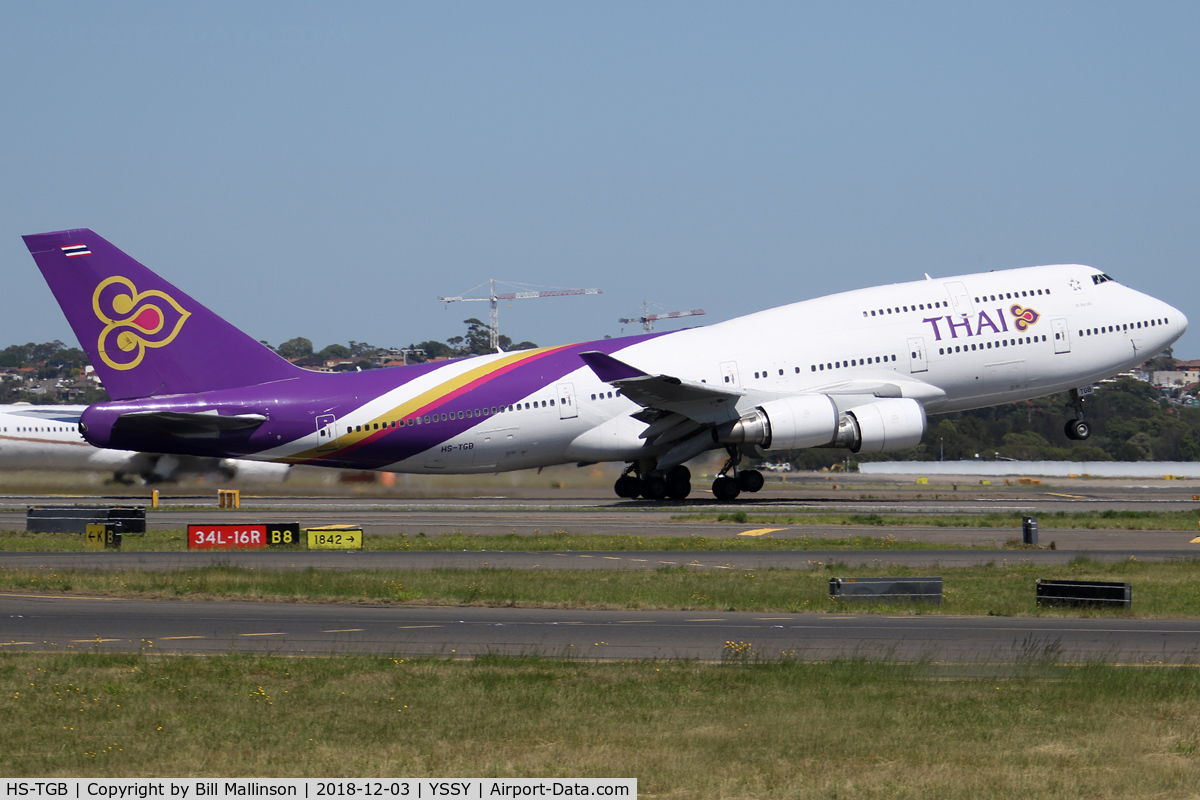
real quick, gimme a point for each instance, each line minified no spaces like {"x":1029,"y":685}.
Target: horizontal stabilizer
{"x":182,"y":425}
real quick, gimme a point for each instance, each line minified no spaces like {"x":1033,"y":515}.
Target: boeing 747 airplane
{"x":859,"y":370}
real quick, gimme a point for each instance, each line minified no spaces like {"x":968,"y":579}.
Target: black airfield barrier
{"x":886,"y":590}
{"x":1029,"y":530}
{"x":75,"y":519}
{"x":1103,"y":594}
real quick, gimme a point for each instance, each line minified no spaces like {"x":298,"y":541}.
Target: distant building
{"x":1184,"y":374}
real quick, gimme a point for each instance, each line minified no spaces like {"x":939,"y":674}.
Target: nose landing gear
{"x":1077,"y":429}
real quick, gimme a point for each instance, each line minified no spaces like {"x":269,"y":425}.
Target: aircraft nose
{"x":1176,"y":320}
{"x":1179,"y":320}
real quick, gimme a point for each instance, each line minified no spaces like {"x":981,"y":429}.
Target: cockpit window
{"x":1101,"y":278}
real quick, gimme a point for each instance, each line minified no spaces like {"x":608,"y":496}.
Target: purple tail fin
{"x":144,"y":336}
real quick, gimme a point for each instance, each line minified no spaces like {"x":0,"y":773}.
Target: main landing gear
{"x":675,"y":484}
{"x":726,"y":488}
{"x":1077,"y":429}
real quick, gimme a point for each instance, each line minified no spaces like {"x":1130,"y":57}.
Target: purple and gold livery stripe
{"x":425,"y":403}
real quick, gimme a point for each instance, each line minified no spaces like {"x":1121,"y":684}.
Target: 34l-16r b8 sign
{"x":246,"y":536}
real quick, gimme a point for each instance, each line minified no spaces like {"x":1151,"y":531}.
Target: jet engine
{"x":813,"y":420}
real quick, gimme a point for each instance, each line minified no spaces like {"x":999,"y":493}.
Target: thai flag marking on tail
{"x":75,"y":250}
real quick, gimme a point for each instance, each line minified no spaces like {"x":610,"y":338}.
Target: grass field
{"x":1003,"y":589}
{"x":684,"y":730}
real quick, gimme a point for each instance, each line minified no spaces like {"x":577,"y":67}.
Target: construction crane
{"x":494,"y":297}
{"x":647,"y":319}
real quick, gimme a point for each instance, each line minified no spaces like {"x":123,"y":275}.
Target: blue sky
{"x":329,"y":170}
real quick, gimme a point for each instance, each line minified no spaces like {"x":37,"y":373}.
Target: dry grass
{"x":1004,"y":589}
{"x":686,"y":730}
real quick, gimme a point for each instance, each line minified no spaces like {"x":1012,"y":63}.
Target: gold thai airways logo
{"x":134,"y":321}
{"x":1024,"y":317}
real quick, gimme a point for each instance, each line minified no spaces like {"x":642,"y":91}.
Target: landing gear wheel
{"x":628,"y":486}
{"x":679,"y":483}
{"x":1078,"y":429}
{"x":750,"y":480}
{"x":654,"y":487}
{"x":725,"y":489}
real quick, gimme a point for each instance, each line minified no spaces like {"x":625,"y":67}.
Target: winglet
{"x":609,"y":369}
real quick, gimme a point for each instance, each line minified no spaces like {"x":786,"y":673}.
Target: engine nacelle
{"x":812,"y":420}
{"x":793,"y":423}
{"x":889,"y":424}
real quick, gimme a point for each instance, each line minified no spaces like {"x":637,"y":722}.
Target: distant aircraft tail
{"x":144,"y":336}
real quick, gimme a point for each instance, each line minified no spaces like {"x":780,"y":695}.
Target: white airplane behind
{"x":859,"y":370}
{"x":47,"y":437}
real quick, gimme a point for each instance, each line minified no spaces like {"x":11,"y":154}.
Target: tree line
{"x":475,"y":342}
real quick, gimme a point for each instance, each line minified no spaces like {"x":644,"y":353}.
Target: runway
{"x":46,"y":623}
{"x":550,"y":514}
{"x":72,"y":623}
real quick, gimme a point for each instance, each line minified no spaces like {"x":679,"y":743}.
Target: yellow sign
{"x":335,"y":537}
{"x":94,"y":537}
{"x":98,"y":536}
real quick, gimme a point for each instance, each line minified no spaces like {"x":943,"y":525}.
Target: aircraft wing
{"x":680,"y":413}
{"x":182,"y":425}
{"x":701,"y":402}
